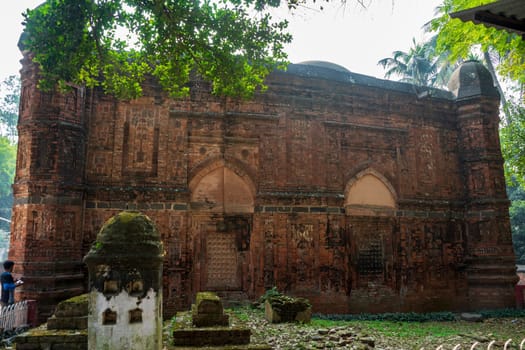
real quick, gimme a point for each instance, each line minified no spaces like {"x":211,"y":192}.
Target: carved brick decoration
{"x":222,"y":265}
{"x":353,"y":192}
{"x":140,"y":149}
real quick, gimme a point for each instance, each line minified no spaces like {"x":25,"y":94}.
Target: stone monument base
{"x":208,"y":328}
{"x":215,"y":336}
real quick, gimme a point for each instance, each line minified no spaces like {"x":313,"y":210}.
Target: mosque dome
{"x":472,"y":79}
{"x":325,"y":64}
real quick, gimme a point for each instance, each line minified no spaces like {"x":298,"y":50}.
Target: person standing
{"x":8,"y":284}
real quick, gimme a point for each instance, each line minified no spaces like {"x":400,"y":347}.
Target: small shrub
{"x":391,"y":316}
{"x":418,"y":317}
{"x":270,"y":293}
{"x":502,"y":313}
{"x":241,"y":314}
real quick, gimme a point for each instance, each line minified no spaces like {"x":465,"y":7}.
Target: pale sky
{"x":352,"y":37}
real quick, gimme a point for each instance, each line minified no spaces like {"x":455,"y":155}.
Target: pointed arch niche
{"x":219,"y":188}
{"x":369,"y":193}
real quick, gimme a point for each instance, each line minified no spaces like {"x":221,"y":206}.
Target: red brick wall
{"x":259,"y":188}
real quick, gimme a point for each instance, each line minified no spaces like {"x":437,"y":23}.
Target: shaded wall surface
{"x":358,"y":193}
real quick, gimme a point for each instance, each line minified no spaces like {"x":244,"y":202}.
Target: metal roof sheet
{"x":502,"y":14}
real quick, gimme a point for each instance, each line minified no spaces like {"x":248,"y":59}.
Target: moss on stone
{"x":129,"y":233}
{"x":79,"y":299}
{"x":201,"y":296}
{"x":127,"y":216}
{"x":42,"y":332}
{"x":70,"y":314}
{"x":73,"y":307}
{"x":128,"y":225}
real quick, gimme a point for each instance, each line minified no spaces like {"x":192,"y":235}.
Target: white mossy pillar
{"x":125,"y":285}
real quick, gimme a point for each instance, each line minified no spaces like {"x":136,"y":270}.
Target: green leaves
{"x":420,"y":65}
{"x":503,"y":50}
{"x":10,"y":92}
{"x":7,"y":165}
{"x":115,"y":44}
{"x":10,"y":96}
{"x":56,"y":34}
{"x":459,"y":39}
{"x":516,"y":194}
{"x":512,"y":136}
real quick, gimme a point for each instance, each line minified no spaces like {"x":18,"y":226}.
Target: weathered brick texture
{"x":357,"y":193}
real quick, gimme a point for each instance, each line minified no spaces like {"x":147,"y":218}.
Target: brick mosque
{"x":361,"y":194}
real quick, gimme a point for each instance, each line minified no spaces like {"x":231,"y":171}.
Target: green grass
{"x":240,"y":313}
{"x":403,"y":331}
{"x":410,"y":329}
{"x":416,"y":335}
{"x":395,"y":329}
{"x":423,"y":330}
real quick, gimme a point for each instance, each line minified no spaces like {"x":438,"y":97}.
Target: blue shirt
{"x":8,"y":285}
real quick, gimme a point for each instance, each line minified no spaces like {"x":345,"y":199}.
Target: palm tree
{"x":419,"y":66}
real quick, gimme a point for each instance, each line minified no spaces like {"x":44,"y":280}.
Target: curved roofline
{"x":331,"y":71}
{"x":326,"y":64}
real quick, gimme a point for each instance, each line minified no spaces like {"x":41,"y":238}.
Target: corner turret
{"x":472,"y":79}
{"x":46,"y":238}
{"x":491,"y":274}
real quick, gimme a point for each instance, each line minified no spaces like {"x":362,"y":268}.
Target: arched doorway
{"x":222,"y":204}
{"x":370,"y":204}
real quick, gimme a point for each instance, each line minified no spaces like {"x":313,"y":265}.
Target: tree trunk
{"x":492,"y":71}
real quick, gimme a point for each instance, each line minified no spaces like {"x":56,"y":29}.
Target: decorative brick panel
{"x":273,"y":175}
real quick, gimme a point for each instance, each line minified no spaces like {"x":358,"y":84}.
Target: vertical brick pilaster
{"x":47,"y":212}
{"x":491,"y":270}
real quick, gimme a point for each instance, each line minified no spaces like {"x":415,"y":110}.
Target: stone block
{"x":29,"y":346}
{"x":208,"y":303}
{"x":304,"y":316}
{"x":69,"y":346}
{"x":211,"y":336}
{"x":471,"y":317}
{"x":41,"y":338}
{"x":210,"y":320}
{"x":208,"y":311}
{"x":287,"y":309}
{"x":70,"y":314}
{"x":67,"y":322}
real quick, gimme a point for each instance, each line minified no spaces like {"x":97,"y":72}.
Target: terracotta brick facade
{"x":358,"y":193}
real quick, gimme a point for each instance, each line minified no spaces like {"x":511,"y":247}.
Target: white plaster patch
{"x":123,"y":334}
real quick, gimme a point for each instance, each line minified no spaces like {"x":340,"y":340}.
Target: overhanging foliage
{"x":459,"y":38}
{"x":115,"y":44}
